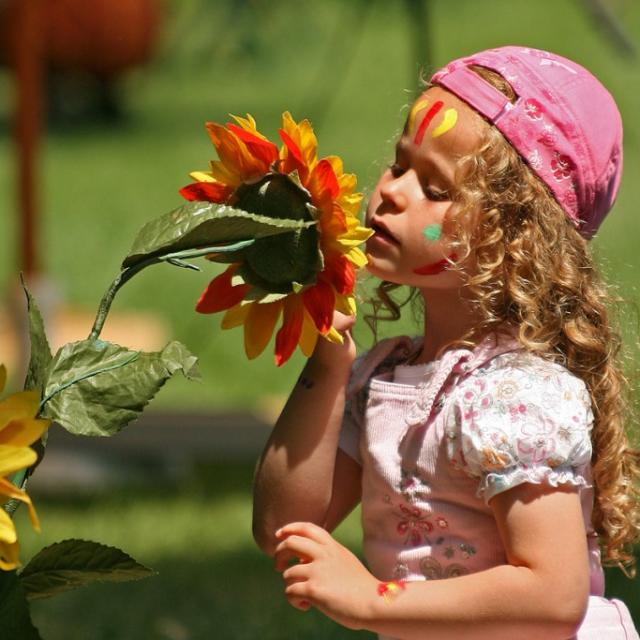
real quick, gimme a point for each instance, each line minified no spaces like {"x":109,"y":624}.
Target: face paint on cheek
{"x":435,"y":268}
{"x":429,"y":116}
{"x":432,"y":232}
{"x":448,"y":122}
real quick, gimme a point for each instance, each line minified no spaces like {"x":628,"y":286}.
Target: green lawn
{"x":212,"y":581}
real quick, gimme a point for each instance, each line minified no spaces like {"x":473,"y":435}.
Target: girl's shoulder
{"x":528,"y":372}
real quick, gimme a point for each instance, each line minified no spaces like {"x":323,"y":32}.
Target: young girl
{"x":489,"y":455}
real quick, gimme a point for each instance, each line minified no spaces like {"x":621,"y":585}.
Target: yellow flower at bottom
{"x":19,"y":428}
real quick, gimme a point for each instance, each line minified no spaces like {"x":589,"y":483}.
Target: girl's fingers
{"x":295,"y":547}
{"x":297,"y":573}
{"x":304,"y":529}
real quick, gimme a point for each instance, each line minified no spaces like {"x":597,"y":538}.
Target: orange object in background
{"x":103,"y":37}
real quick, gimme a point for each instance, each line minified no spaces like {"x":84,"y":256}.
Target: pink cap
{"x":564,"y":124}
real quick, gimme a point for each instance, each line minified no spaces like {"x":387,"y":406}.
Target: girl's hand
{"x":328,"y":576}
{"x":329,"y":354}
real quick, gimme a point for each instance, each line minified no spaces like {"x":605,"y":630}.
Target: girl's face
{"x":411,"y":208}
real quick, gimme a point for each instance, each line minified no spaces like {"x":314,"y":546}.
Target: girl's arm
{"x":302,"y":475}
{"x":541,"y":593}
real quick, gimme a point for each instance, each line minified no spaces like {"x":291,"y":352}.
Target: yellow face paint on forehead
{"x":448,"y":121}
{"x":420,"y":104}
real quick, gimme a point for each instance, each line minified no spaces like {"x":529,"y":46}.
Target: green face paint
{"x":433,"y":232}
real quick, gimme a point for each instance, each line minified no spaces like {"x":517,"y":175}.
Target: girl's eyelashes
{"x":435,"y":195}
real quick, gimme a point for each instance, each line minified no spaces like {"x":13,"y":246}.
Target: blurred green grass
{"x":347,"y":66}
{"x":212,"y":581}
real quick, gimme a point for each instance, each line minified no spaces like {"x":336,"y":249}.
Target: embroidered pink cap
{"x":564,"y":124}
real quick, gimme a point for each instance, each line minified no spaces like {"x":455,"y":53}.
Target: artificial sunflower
{"x":300,"y":277}
{"x":19,"y":428}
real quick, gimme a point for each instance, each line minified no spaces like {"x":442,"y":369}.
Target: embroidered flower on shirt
{"x":414,"y":525}
{"x":493,"y":460}
{"x":536,"y":440}
{"x":507,"y":389}
{"x":431,"y":569}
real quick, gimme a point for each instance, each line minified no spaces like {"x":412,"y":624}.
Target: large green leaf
{"x":15,"y":618}
{"x":40,"y":351}
{"x":204,"y":224}
{"x":96,"y":388}
{"x":75,"y":563}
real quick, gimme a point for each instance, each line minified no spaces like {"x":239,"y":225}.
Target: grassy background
{"x":348,"y":65}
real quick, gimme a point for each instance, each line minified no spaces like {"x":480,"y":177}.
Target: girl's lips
{"x":382,"y":233}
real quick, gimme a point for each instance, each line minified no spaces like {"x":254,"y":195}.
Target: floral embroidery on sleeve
{"x":523,"y":419}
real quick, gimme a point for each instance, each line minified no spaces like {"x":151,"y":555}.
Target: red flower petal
{"x":289,"y":334}
{"x":207,"y":191}
{"x":220,"y":294}
{"x":342,"y":274}
{"x":294,"y":150}
{"x":320,"y":302}
{"x":262,"y":149}
{"x":323,"y":178}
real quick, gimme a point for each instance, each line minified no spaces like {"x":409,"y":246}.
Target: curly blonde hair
{"x":536,"y":272}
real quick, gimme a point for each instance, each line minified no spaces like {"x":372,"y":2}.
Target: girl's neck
{"x":448,"y":316}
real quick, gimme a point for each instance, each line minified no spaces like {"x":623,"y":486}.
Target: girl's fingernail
{"x":278,"y":533}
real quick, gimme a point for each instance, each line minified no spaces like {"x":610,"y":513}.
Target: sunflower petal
{"x":23,"y":404}
{"x":308,"y":335}
{"x":333,"y":335}
{"x":289,"y":334}
{"x":15,"y":458}
{"x":357,"y":257}
{"x":221,"y":294}
{"x":23,"y":432}
{"x":346,"y":304}
{"x":342,"y":274}
{"x":323,"y":183}
{"x":7,"y":489}
{"x":220,"y":173}
{"x":258,"y":327}
{"x":7,"y":528}
{"x":319,"y":301}
{"x":259,"y":147}
{"x":207,"y":191}
{"x":235,"y":316}
{"x":3,"y":377}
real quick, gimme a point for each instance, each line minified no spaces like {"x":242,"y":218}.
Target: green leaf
{"x":70,"y":564}
{"x":96,"y":388}
{"x":15,"y":618}
{"x":40,"y":351}
{"x":204,"y":224}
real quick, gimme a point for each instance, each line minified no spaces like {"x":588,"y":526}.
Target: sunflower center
{"x":276,"y":262}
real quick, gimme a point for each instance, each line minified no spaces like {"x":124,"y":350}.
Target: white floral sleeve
{"x":522,"y":419}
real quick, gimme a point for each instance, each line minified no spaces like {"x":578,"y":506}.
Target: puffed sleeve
{"x":526,"y":421}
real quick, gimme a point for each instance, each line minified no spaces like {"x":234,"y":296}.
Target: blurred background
{"x":102,"y":116}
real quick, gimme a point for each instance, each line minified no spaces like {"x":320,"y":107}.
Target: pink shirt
{"x":436,"y":442}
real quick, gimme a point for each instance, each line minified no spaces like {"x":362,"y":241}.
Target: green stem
{"x":107,"y":299}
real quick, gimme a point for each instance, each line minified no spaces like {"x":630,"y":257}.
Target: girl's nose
{"x":393,"y":192}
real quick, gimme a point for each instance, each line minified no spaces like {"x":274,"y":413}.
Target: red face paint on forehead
{"x":429,"y":116}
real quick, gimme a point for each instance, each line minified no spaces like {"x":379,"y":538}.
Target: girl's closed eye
{"x":435,"y":195}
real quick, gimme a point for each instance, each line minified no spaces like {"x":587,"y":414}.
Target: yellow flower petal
{"x":346,"y":304}
{"x":357,"y":257}
{"x":235,"y":316}
{"x":19,"y":405}
{"x":22,"y":433}
{"x":220,"y":173}
{"x":308,"y":336}
{"x":302,"y":134}
{"x":10,"y":491}
{"x":15,"y":458}
{"x":202,"y":176}
{"x":258,"y":327}
{"x":3,"y":377}
{"x":249,"y":124}
{"x":7,"y":528}
{"x":9,"y":556}
{"x":333,"y":335}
